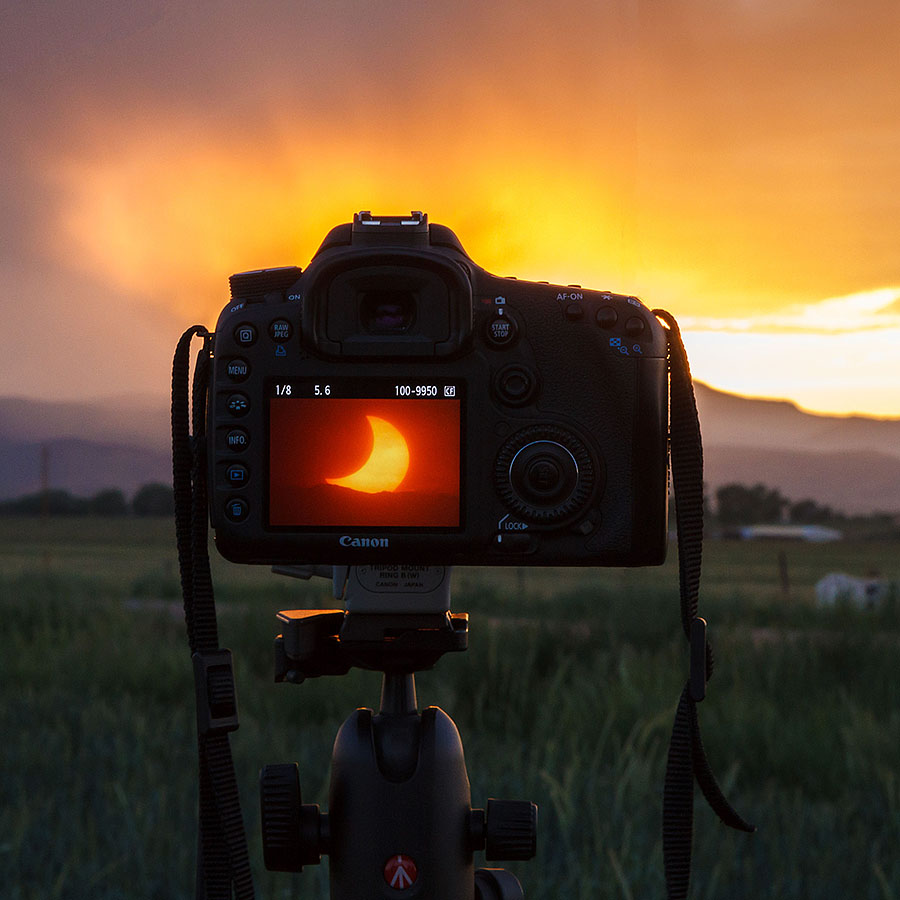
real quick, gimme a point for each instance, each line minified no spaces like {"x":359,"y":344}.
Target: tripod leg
{"x":497,"y":884}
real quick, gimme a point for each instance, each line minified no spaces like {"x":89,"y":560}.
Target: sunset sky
{"x":734,"y":161}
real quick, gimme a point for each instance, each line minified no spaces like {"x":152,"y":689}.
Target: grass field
{"x":565,"y":696}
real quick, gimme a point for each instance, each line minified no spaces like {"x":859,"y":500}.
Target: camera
{"x":396,"y":403}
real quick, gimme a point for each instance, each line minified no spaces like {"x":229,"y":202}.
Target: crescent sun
{"x":387,"y":464}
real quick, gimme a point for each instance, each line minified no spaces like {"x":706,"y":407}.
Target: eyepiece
{"x":387,"y":312}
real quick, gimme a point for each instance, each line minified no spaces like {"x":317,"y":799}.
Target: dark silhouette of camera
{"x":395,"y":402}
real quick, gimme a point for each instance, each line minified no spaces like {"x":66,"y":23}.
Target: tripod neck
{"x":398,"y":694}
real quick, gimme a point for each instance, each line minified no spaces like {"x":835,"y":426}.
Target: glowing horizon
{"x":733,"y":163}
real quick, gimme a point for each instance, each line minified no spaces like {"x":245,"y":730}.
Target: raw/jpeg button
{"x":280,"y":330}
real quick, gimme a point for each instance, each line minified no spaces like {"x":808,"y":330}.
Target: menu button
{"x":238,"y":369}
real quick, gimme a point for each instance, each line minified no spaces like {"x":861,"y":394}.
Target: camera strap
{"x":223,"y":863}
{"x":687,"y":758}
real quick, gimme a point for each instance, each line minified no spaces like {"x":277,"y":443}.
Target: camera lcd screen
{"x":364,"y":453}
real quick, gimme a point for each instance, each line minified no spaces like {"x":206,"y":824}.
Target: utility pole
{"x":45,"y":481}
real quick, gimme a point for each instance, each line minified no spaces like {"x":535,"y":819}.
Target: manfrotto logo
{"x":347,"y":541}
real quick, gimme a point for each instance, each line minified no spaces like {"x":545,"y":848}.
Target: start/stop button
{"x":502,"y":331}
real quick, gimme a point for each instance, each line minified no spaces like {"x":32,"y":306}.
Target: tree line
{"x":738,"y":504}
{"x":735,"y":504}
{"x":155,"y":499}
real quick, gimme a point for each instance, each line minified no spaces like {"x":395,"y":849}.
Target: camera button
{"x":238,"y":404}
{"x":245,"y":334}
{"x":238,"y":369}
{"x":574,"y":312}
{"x":280,"y":330}
{"x":237,"y":439}
{"x":236,"y":509}
{"x":607,"y":317}
{"x":634,"y":326}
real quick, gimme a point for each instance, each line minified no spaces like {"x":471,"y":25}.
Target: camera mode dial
{"x":544,"y":474}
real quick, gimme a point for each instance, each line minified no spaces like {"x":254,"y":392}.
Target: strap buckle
{"x":214,"y":686}
{"x":698,"y":659}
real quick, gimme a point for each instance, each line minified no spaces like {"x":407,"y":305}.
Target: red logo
{"x":400,"y":871}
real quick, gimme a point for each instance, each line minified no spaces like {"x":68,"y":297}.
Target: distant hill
{"x":729,"y":420}
{"x":850,"y":463}
{"x":130,"y":421}
{"x":81,"y":467}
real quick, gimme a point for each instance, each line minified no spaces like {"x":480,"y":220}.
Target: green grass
{"x":565,"y":696}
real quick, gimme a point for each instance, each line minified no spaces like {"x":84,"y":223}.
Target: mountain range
{"x":851,"y":463}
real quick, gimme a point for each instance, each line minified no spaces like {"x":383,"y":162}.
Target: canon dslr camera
{"x":394,"y":402}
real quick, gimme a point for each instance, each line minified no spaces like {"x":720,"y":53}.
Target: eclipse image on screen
{"x":363,"y":462}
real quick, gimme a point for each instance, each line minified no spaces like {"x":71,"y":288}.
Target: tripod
{"x":400,"y":821}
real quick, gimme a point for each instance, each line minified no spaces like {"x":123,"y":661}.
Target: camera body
{"x":395,"y":403}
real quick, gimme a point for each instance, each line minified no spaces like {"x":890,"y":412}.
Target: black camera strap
{"x":687,"y":757}
{"x":222,"y":862}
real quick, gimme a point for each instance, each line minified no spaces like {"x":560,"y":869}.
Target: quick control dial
{"x":544,"y":474}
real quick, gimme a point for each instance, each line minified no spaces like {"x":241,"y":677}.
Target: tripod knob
{"x":290,"y":830}
{"x":510,"y":830}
